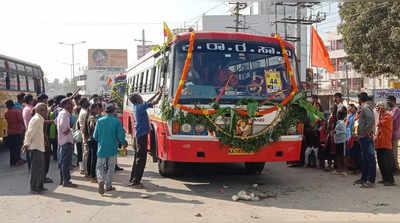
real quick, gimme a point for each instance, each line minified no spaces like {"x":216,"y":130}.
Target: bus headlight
{"x":199,"y":128}
{"x":186,"y":128}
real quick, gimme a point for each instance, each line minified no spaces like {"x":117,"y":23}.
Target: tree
{"x":371,"y":32}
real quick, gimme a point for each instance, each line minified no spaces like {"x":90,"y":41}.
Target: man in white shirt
{"x":65,"y":141}
{"x":34,"y":142}
{"x":82,"y":119}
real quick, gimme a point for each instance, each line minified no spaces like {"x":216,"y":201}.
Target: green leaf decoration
{"x":233,"y":121}
{"x":156,"y":48}
{"x":311,"y":110}
{"x":252,"y":108}
{"x":296,"y":111}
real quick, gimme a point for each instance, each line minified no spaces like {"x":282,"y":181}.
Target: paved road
{"x":294,"y":195}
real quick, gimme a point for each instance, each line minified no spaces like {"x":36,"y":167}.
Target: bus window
{"x":146,"y":81}
{"x":157,"y":78}
{"x":141,"y":82}
{"x":152,"y":79}
{"x":2,"y":63}
{"x":12,"y":66}
{"x":41,"y":86}
{"x":28,"y":70}
{"x":20,"y":67}
{"x":22,"y":83}
{"x":132,"y":86}
{"x":31,"y":83}
{"x":3,"y":80}
{"x":137,"y":83}
{"x":13,"y":81}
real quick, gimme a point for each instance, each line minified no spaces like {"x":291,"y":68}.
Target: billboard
{"x":100,"y":58}
{"x":381,"y":94}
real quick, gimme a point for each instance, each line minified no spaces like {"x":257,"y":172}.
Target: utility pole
{"x":143,"y":41}
{"x":236,"y":12}
{"x":73,"y":55}
{"x":347,"y":83}
{"x":299,"y":20}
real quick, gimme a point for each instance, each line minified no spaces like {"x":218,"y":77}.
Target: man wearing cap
{"x":65,"y":142}
{"x":394,"y":110}
{"x":34,"y":142}
{"x":108,"y":133}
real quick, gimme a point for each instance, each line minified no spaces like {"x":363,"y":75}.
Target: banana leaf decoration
{"x":313,"y":113}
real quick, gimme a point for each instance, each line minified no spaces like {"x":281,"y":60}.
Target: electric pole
{"x":236,"y":12}
{"x":143,"y":41}
{"x":298,"y":20}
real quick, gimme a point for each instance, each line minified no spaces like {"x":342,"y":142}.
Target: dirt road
{"x":203,"y":194}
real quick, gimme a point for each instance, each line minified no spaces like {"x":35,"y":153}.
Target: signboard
{"x":107,"y":58}
{"x":273,"y":81}
{"x":381,"y":94}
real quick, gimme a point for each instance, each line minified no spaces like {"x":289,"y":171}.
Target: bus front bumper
{"x":210,"y":150}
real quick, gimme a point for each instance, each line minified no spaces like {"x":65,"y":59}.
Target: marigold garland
{"x":241,"y":112}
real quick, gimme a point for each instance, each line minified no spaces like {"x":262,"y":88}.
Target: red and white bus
{"x":246,"y":58}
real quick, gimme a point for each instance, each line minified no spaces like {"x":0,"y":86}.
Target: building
{"x":345,"y":79}
{"x":259,"y":19}
{"x":102,"y":65}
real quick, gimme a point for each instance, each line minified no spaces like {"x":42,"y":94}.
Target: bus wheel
{"x":130,"y":126}
{"x":254,"y":168}
{"x":168,"y":168}
{"x":153,"y":146}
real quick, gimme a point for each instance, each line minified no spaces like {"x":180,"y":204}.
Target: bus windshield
{"x":230,"y":70}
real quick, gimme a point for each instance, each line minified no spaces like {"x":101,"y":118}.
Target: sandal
{"x":110,"y":188}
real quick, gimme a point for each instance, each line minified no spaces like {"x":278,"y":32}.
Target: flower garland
{"x":288,"y":118}
{"x":293,"y":109}
{"x":241,"y":112}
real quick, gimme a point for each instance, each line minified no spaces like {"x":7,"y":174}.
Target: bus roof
{"x":18,"y":61}
{"x":214,"y":35}
{"x":230,"y":35}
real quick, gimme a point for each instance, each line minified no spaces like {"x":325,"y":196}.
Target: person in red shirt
{"x":323,"y":138}
{"x":15,"y":130}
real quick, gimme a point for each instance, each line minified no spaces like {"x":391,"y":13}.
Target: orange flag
{"x":319,"y":54}
{"x":109,"y":81}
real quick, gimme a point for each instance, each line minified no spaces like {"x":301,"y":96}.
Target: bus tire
{"x":153,"y":146}
{"x":168,"y":168}
{"x":130,"y":126}
{"x":254,"y":168}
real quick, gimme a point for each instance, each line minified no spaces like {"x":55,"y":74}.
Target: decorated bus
{"x":17,"y":76}
{"x":227,"y":97}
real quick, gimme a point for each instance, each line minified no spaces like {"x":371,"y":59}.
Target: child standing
{"x":340,"y":141}
{"x":323,"y":138}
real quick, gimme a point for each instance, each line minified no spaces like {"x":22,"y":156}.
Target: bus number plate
{"x":238,"y":151}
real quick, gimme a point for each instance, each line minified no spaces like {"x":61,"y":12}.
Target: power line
{"x":238,"y":7}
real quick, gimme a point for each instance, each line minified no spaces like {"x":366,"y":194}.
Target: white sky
{"x":32,"y":29}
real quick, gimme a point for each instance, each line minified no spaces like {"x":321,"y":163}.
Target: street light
{"x":73,"y":54}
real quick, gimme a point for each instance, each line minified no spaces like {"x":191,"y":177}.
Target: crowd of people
{"x":345,"y":142}
{"x":348,"y":139}
{"x":70,"y":124}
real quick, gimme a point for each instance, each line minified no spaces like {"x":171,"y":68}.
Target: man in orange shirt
{"x":383,"y":146}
